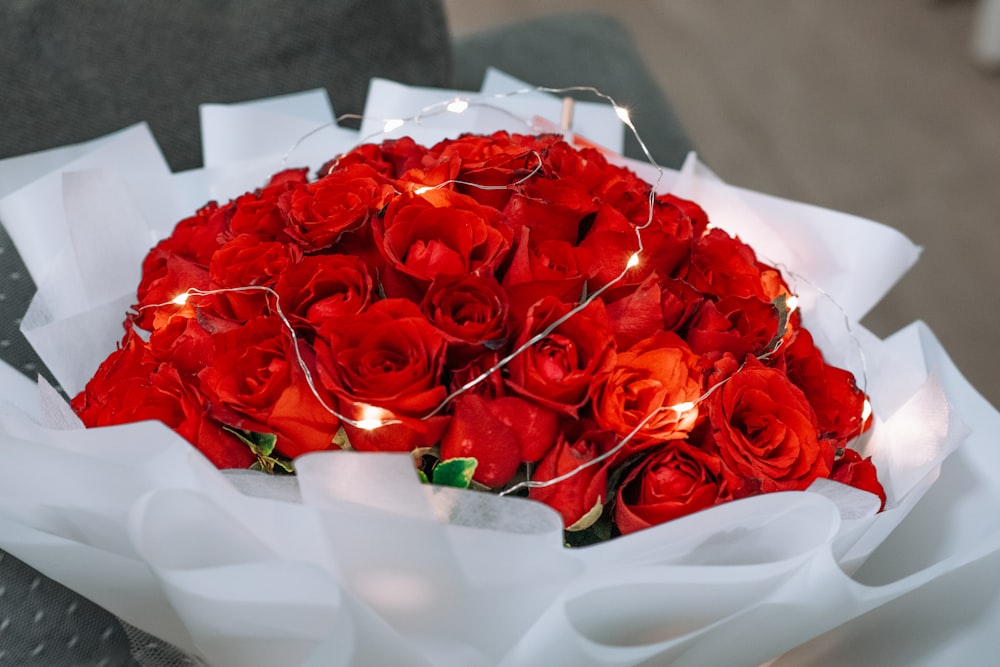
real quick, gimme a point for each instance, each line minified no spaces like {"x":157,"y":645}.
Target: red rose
{"x":318,"y":214}
{"x":477,"y":148}
{"x":257,"y":212}
{"x":832,"y":391}
{"x":500,"y":434}
{"x":667,"y":243}
{"x":860,"y":473}
{"x":649,"y":379}
{"x":179,"y":262}
{"x":198,"y":237}
{"x":491,"y":161}
{"x":765,"y":431}
{"x":725,"y":266}
{"x":556,"y":371}
{"x":550,"y":268}
{"x":132,"y":386}
{"x":392,"y":158}
{"x":471,"y":311}
{"x":636,"y":312}
{"x":324,"y":287}
{"x":255,"y":383}
{"x":247,"y":261}
{"x":614,"y":186}
{"x":438,"y":233}
{"x":165,"y":276}
{"x":672,"y":481}
{"x":678,"y":302}
{"x":182,"y":342}
{"x":553,"y":208}
{"x":735,"y":325}
{"x":580,"y":498}
{"x":391,"y":358}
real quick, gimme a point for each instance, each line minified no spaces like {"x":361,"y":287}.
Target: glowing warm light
{"x":633,"y":261}
{"x":180,"y":299}
{"x":623,"y":114}
{"x":682,"y":407}
{"x":393,"y":124}
{"x":371,"y":418}
{"x":792,"y":303}
{"x":423,"y":189}
{"x":457,"y":106}
{"x":866,"y":411}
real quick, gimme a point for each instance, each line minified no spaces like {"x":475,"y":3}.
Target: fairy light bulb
{"x":181,"y":298}
{"x":457,"y":105}
{"x":682,"y":407}
{"x":866,"y":411}
{"x":421,"y":190}
{"x":393,"y":124}
{"x":633,"y":261}
{"x":371,"y":417}
{"x":792,"y":303}
{"x":623,"y":115}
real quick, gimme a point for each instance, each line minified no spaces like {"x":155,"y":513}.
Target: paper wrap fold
{"x":356,"y":563}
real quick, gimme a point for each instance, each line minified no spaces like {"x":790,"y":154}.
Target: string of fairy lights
{"x":374,"y":417}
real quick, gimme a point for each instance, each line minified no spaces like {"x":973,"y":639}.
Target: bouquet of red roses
{"x":508,"y":313}
{"x":515,"y":312}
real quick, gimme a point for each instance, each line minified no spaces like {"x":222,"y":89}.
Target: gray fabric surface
{"x":43,"y":625}
{"x":579,"y":50}
{"x":72,"y":71}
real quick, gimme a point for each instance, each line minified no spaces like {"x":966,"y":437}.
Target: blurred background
{"x":872,"y":108}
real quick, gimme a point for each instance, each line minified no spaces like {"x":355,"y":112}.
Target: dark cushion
{"x":72,"y":71}
{"x":76,"y":70}
{"x":579,"y":50}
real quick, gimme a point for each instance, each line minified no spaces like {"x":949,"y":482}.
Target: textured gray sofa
{"x":75,"y":71}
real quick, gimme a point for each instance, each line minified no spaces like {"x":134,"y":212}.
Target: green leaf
{"x":262,"y":445}
{"x":423,"y":476}
{"x":455,"y":472}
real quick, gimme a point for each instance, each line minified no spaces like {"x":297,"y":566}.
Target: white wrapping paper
{"x":356,"y":563}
